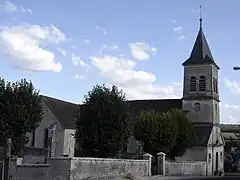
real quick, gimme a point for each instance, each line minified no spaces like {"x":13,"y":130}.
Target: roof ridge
{"x":60,"y":100}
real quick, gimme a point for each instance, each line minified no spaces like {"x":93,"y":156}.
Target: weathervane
{"x":200,"y":15}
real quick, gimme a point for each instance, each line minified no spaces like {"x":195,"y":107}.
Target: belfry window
{"x":193,"y":84}
{"x":215,"y":85}
{"x":202,"y":83}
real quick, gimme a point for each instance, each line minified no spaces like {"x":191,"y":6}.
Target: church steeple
{"x":201,"y":53}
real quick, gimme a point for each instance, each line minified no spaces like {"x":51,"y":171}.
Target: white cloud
{"x":22,"y":9}
{"x":61,"y":51}
{"x":77,"y":76}
{"x":77,"y":61}
{"x":141,"y":51}
{"x":233,"y":86}
{"x":24,"y":44}
{"x":181,"y":37}
{"x":12,"y":8}
{"x":87,"y":41}
{"x":137,"y":84}
{"x":110,"y":46}
{"x":230,"y":113}
{"x":98,"y":28}
{"x":178,"y":29}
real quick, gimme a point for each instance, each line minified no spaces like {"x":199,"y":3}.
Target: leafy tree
{"x":168,"y":132}
{"x":156,"y":131}
{"x":103,"y":123}
{"x":20,"y":112}
{"x":185,"y":133}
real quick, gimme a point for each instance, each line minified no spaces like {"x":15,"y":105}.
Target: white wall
{"x":194,"y":168}
{"x":48,"y":119}
{"x":69,"y":142}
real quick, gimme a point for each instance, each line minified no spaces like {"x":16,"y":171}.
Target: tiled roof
{"x":63,"y":111}
{"x":229,"y":136}
{"x":159,"y":105}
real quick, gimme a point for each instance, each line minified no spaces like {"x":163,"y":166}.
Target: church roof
{"x":159,"y":105}
{"x":201,"y":53}
{"x":63,"y":111}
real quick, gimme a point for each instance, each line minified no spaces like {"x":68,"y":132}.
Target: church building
{"x":200,"y":101}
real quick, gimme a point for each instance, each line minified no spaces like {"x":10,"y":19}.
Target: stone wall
{"x":197,"y":168}
{"x":19,"y":171}
{"x":82,"y":168}
{"x":65,"y":168}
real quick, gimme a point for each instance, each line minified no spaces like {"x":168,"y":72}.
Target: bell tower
{"x":200,"y":86}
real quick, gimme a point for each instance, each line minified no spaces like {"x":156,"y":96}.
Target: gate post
{"x":161,"y":163}
{"x":7,"y":154}
{"x":148,"y":157}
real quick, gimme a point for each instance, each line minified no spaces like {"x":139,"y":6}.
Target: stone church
{"x":200,"y":101}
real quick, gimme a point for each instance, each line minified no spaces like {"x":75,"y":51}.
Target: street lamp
{"x":236,"y":68}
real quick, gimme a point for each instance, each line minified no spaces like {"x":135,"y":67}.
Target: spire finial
{"x":200,"y":16}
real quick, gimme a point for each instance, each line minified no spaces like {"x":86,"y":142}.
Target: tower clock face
{"x":197,"y":106}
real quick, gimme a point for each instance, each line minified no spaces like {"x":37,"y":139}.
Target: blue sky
{"x":66,"y":47}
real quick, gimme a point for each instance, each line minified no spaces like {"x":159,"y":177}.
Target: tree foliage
{"x":102,"y":123}
{"x":20,"y":112}
{"x":163,"y":132}
{"x":185,"y":133}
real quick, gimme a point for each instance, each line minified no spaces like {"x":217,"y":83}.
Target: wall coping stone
{"x":33,"y":165}
{"x":97,"y":159}
{"x":169,"y":161}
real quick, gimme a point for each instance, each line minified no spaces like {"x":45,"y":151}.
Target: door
{"x":217,"y":162}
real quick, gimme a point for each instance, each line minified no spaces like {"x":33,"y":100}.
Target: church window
{"x":46,"y":138}
{"x":193,"y":84}
{"x":209,"y":157}
{"x":216,"y":110}
{"x":215,"y":85}
{"x":202,"y":83}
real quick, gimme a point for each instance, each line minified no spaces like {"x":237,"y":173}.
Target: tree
{"x":103,"y":123}
{"x":168,"y":132}
{"x":156,"y":131}
{"x":20,"y":112}
{"x":185,"y":133}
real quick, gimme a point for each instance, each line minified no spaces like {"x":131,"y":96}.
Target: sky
{"x":67,"y":47}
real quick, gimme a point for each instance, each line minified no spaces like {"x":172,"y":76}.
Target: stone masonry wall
{"x":82,"y":168}
{"x":18,"y":171}
{"x":64,"y":168}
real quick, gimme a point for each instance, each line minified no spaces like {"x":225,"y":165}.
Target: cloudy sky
{"x":66,"y":47}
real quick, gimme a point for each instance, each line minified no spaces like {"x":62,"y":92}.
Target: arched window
{"x":202,"y":83}
{"x":193,"y":84}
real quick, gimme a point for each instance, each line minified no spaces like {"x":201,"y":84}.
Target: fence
{"x":171,"y":168}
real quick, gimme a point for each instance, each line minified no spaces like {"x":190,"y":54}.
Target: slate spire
{"x":201,"y":53}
